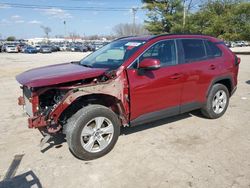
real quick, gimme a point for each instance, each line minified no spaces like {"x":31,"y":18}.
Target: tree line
{"x":225,"y":19}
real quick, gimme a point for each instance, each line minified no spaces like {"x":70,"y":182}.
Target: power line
{"x":77,"y":8}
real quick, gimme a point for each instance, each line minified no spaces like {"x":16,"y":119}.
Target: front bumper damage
{"x":35,"y":121}
{"x":117,"y":88}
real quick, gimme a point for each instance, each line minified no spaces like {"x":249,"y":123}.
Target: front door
{"x":156,"y":93}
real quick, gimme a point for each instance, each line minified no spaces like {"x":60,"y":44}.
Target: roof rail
{"x":124,"y":37}
{"x":169,"y":34}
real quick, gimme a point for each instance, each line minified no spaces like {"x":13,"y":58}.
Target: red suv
{"x":131,"y":81}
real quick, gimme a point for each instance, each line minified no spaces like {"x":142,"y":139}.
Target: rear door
{"x":200,"y":68}
{"x":155,"y":93}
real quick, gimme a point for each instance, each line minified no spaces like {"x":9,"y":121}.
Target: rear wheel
{"x":92,"y":132}
{"x":217,"y":102}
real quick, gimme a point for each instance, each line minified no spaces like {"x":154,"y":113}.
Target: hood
{"x":56,"y":74}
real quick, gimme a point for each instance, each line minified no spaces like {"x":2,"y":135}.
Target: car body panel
{"x":153,"y":90}
{"x":56,"y":74}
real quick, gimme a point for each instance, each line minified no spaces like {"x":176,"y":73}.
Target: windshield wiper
{"x":75,"y":62}
{"x":85,"y":65}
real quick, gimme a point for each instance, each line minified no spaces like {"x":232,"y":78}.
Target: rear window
{"x":212,"y":49}
{"x":194,"y":49}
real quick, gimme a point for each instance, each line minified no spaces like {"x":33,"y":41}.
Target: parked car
{"x":30,"y":49}
{"x":75,"y":49}
{"x":45,"y":49}
{"x":239,"y":43}
{"x":11,"y":49}
{"x":128,"y":82}
{"x":97,"y":46}
{"x":38,"y":47}
{"x":246,"y":43}
{"x":4,"y":47}
{"x":55,"y":48}
{"x":90,"y":47}
{"x":228,"y":44}
{"x":63,"y":47}
{"x":233,"y":44}
{"x":83,"y":48}
{"x":22,"y":48}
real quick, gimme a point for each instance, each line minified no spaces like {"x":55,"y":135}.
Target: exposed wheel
{"x":92,"y":132}
{"x":217,"y":102}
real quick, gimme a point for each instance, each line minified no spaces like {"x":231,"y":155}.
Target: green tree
{"x":164,"y":16}
{"x":11,"y":38}
{"x":240,"y":22}
{"x":225,"y":19}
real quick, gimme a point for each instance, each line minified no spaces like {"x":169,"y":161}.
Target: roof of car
{"x":149,"y":37}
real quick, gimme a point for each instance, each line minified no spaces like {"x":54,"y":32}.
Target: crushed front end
{"x":38,"y":104}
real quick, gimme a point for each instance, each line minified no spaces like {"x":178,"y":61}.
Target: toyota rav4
{"x":130,"y":81}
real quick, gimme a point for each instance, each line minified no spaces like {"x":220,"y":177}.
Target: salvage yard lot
{"x":182,"y":151}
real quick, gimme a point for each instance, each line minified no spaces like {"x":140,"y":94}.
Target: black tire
{"x":79,"y":120}
{"x":208,"y":110}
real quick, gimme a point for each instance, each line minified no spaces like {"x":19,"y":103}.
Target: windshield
{"x":112,"y":55}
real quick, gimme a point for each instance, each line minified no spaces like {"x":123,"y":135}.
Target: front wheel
{"x":92,"y":132}
{"x":217,"y":102}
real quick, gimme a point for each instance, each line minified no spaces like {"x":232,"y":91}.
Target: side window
{"x":194,"y":49}
{"x":212,"y":49}
{"x":165,"y":51}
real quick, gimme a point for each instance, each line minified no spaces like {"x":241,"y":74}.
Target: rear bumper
{"x":233,"y":91}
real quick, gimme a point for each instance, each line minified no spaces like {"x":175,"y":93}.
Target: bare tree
{"x":129,"y":29}
{"x":46,"y":30}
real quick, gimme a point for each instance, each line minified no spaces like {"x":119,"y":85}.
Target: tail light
{"x":237,"y":61}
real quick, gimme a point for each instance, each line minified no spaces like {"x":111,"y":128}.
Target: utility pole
{"x":64,"y":22}
{"x":134,"y":10}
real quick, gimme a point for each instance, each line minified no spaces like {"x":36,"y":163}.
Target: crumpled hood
{"x":56,"y":74}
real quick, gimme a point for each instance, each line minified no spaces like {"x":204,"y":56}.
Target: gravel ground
{"x":182,"y":151}
{"x":241,"y":49}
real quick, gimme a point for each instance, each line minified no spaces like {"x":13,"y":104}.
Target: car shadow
{"x":165,"y":122}
{"x":248,"y":82}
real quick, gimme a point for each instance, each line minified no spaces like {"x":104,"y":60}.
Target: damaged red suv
{"x":131,"y":81}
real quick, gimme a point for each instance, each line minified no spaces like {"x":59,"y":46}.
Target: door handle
{"x":212,"y":67}
{"x":176,"y":76}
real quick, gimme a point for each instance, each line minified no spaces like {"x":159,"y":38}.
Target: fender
{"x":217,"y":79}
{"x":116,"y":88}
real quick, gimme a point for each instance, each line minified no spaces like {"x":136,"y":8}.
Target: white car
{"x":38,"y":47}
{"x":246,"y":43}
{"x":11,"y":48}
{"x":63,"y":48}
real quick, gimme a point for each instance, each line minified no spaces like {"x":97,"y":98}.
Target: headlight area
{"x":49,"y":99}
{"x":44,"y":101}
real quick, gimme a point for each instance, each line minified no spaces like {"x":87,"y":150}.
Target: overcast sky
{"x":23,"y":19}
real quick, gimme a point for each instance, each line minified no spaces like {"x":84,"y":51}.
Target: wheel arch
{"x":225,"y":80}
{"x":96,"y":98}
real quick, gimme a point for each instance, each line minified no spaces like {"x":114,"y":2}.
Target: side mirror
{"x":149,"y":64}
